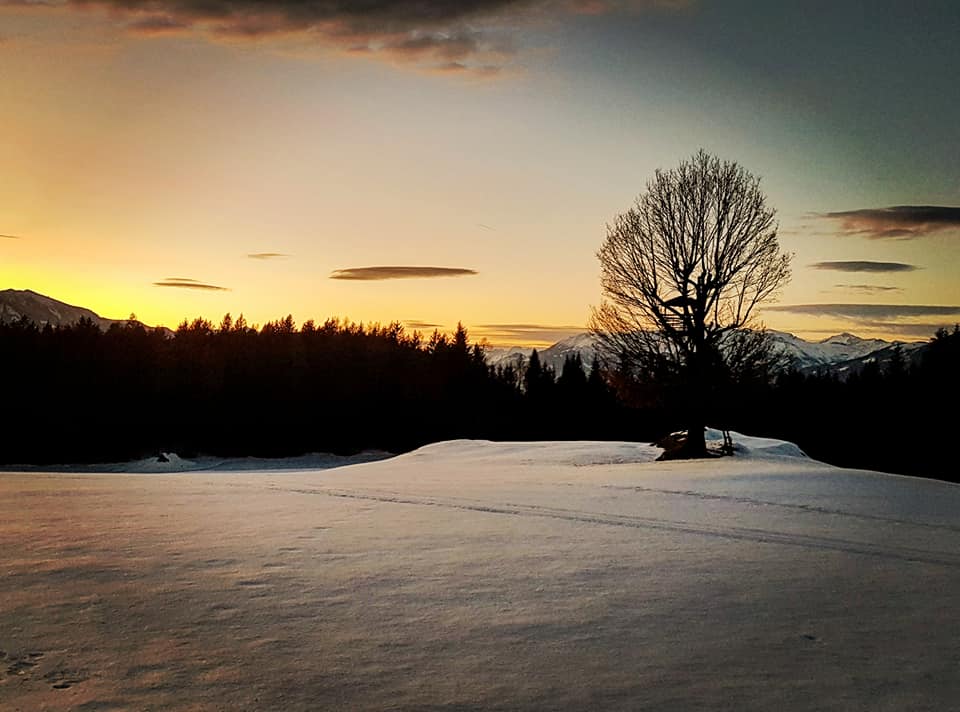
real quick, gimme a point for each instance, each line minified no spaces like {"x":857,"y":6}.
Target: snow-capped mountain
{"x":552,"y":356}
{"x":43,"y":310}
{"x":835,"y":350}
{"x":40,"y":309}
{"x":842,"y":353}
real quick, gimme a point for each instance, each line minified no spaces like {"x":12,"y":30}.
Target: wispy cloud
{"x":266,"y":255}
{"x":898,"y":222}
{"x":922,"y":330}
{"x":30,"y":3}
{"x":398,"y":272}
{"x":886,"y":330}
{"x":10,"y":237}
{"x":865,"y":266}
{"x":869,"y":288}
{"x":416,"y":325}
{"x":186,"y":283}
{"x":908,"y":320}
{"x":888,"y":312}
{"x":526,"y":333}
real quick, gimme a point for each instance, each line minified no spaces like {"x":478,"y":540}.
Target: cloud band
{"x":865,"y":266}
{"x":890,"y":312}
{"x":898,"y":222}
{"x":368,"y":274}
{"x":185,"y":283}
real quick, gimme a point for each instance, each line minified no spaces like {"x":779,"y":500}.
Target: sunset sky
{"x":183,"y":158}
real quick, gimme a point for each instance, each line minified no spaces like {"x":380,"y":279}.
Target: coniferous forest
{"x":79,"y":394}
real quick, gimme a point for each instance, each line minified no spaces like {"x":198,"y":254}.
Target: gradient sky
{"x":183,"y":158}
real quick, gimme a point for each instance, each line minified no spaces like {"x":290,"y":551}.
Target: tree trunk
{"x":696,"y":445}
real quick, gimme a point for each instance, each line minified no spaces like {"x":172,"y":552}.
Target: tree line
{"x":80,"y":394}
{"x":899,"y":417}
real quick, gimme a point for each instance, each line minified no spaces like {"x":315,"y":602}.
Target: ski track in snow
{"x":813,"y":509}
{"x":765,"y":536}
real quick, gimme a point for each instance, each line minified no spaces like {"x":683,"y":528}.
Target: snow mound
{"x":747,"y":445}
{"x":163,"y":463}
{"x":579,"y":453}
{"x":583,"y":453}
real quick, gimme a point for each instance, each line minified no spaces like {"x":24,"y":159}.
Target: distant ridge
{"x":842,"y":354}
{"x":42,"y":310}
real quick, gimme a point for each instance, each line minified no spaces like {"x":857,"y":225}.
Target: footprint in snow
{"x":62,"y":678}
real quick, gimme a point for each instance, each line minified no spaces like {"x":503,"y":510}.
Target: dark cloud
{"x":865,"y":266}
{"x":343,"y":16}
{"x":10,"y":237}
{"x":439,"y":34}
{"x":186,"y":283}
{"x":266,"y":255}
{"x":868,"y":312}
{"x":398,"y":272}
{"x":869,"y":288}
{"x":157,"y":25}
{"x":898,"y":222}
{"x":469,"y":37}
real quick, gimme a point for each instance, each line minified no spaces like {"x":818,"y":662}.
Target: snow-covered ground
{"x":476,"y":575}
{"x":169,"y":463}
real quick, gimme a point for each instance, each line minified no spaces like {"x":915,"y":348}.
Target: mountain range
{"x":842,"y":354}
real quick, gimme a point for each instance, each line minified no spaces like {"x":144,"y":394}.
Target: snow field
{"x":477,"y":575}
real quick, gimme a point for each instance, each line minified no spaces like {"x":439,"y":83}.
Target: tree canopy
{"x":682,"y":273}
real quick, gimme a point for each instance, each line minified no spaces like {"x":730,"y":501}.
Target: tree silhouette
{"x":682,"y":272}
{"x":573,"y":379}
{"x":538,"y":379}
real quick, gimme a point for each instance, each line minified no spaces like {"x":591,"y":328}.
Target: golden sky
{"x":177,"y":159}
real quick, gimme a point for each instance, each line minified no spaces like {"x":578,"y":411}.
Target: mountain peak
{"x":845,"y":338}
{"x":41,"y":309}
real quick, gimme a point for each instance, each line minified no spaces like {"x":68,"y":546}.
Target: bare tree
{"x":682,"y":272}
